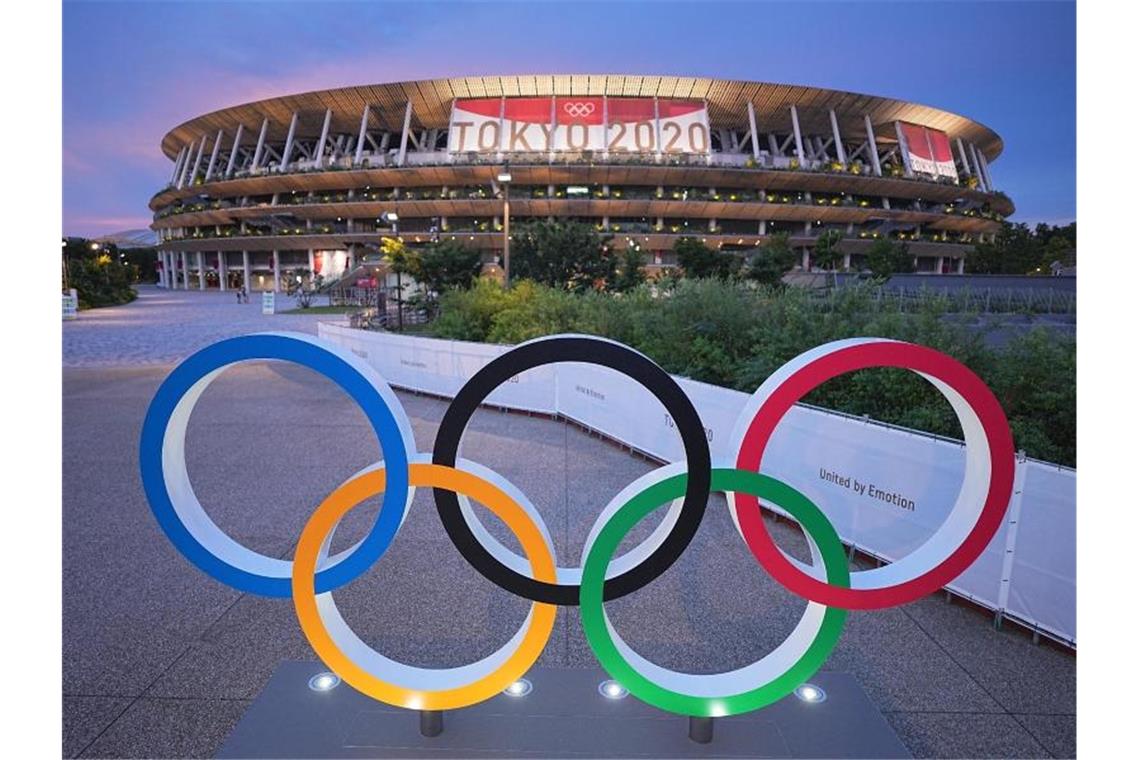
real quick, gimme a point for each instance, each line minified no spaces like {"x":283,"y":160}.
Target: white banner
{"x":1043,"y":579}
{"x":885,"y":489}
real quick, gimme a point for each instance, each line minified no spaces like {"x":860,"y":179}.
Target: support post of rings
{"x":431,"y":723}
{"x":700,"y":729}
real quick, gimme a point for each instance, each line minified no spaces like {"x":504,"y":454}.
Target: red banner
{"x":589,"y":123}
{"x":928,"y":150}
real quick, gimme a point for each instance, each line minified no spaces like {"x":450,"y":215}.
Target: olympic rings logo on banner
{"x":827,"y":584}
{"x":579,"y":109}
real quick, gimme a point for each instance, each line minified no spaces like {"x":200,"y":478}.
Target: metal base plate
{"x":563,"y":716}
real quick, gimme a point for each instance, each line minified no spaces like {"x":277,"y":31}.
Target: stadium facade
{"x":313,"y":181}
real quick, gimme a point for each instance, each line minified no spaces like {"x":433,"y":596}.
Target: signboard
{"x":268,"y":302}
{"x":558,"y":124}
{"x":71,"y":304}
{"x":928,"y":150}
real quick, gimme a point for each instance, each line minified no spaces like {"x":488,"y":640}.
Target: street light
{"x":504,"y":178}
{"x":391,"y":218}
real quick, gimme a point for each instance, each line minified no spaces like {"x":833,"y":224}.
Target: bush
{"x":736,"y":334}
{"x":100,"y":281}
{"x":770,"y":262}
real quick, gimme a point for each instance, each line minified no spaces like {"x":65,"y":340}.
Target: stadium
{"x":314,"y":181}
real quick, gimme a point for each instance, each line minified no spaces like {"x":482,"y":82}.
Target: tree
{"x":826,"y":253}
{"x":885,"y":258}
{"x":770,"y":262}
{"x":1016,"y":250}
{"x":101,"y":274}
{"x":566,"y":255}
{"x":629,"y":272}
{"x":445,"y":265}
{"x":700,"y":261}
{"x":400,"y":260}
{"x":303,"y":285}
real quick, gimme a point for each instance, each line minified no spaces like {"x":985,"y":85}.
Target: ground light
{"x":810,"y":693}
{"x":324,"y":681}
{"x":611,"y":689}
{"x":519,"y":688}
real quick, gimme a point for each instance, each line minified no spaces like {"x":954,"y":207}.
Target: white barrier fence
{"x":884,"y":488}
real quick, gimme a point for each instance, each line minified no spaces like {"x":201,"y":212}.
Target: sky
{"x":132,"y":71}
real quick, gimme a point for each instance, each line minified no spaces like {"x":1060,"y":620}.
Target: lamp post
{"x":504,"y":179}
{"x":392,"y":218}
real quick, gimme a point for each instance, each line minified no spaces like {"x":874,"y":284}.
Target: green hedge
{"x":736,"y":334}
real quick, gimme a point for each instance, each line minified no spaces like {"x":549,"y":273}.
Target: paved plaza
{"x":165,"y":326}
{"x":161,"y":660}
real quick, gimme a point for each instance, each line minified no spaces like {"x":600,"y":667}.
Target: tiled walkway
{"x":163,"y":326}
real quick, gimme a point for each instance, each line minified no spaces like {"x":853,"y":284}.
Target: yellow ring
{"x":371,"y":483}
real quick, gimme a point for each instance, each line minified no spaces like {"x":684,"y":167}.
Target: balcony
{"x":738,"y":163}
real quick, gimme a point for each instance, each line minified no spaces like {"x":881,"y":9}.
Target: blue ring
{"x":318,"y":359}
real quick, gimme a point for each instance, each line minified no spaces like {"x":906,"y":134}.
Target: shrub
{"x":100,"y":281}
{"x":736,"y":334}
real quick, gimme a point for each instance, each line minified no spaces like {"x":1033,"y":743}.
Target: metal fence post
{"x":1012,"y":517}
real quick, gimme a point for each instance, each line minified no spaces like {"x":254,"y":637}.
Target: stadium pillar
{"x":799,"y":137}
{"x":276,"y":273}
{"x":904,"y":149}
{"x":977,"y":166}
{"x":805,"y":260}
{"x":234,"y":150}
{"x":963,"y":157}
{"x":245,"y":273}
{"x":178,"y":164}
{"x":223,"y":271}
{"x":197,"y":159}
{"x":962,"y":265}
{"x":312,"y":263}
{"x":185,"y":271}
{"x":986,"y":171}
{"x":260,"y":144}
{"x":288,"y":144}
{"x":185,"y":166}
{"x":201,"y":271}
{"x":404,"y":134}
{"x":319,"y":159}
{"x":363,"y":135}
{"x":214,"y":154}
{"x":871,"y":146}
{"x":755,"y":134}
{"x":839,"y":151}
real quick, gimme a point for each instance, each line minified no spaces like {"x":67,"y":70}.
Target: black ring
{"x":587,"y":350}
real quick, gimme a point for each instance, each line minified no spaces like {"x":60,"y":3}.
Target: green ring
{"x":594,"y":623}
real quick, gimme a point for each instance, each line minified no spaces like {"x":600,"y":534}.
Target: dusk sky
{"x":133,"y":71}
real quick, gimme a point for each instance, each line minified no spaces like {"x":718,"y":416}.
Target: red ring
{"x":849,"y":359}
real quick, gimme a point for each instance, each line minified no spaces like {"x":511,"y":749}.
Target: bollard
{"x":700,"y":730}
{"x":431,"y":722}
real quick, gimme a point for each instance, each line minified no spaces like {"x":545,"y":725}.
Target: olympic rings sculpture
{"x":829,"y":587}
